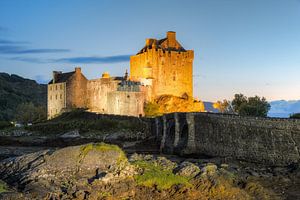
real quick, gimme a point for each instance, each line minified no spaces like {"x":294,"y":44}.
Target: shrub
{"x":5,"y":124}
{"x":3,"y":187}
{"x":85,"y":122}
{"x":151,"y":109}
{"x":295,"y":116}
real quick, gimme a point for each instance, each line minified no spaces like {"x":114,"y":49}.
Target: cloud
{"x":75,"y":60}
{"x":15,"y":49}
{"x":95,"y":59}
{"x":4,"y":41}
{"x":30,"y":60}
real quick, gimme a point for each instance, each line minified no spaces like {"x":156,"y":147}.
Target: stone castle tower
{"x":165,"y":66}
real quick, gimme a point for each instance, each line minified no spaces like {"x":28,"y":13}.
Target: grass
{"x":85,"y":122}
{"x":156,"y":176}
{"x":103,"y":147}
{"x":3,"y":187}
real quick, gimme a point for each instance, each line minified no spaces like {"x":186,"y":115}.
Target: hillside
{"x":284,"y":108}
{"x":15,"y":90}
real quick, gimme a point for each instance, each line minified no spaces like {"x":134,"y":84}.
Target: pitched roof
{"x":160,"y":46}
{"x":62,"y":77}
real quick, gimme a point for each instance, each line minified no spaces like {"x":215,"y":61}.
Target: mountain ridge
{"x":15,"y":90}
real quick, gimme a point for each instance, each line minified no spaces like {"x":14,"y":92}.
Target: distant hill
{"x":284,"y":108}
{"x":15,"y":90}
{"x":280,"y":108}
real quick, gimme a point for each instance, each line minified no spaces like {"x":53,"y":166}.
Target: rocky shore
{"x":102,"y":171}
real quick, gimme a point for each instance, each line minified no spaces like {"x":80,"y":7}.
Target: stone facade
{"x":106,"y":95}
{"x":162,"y":67}
{"x":165,"y":66}
{"x":56,"y":98}
{"x":66,"y":91}
{"x":269,"y":141}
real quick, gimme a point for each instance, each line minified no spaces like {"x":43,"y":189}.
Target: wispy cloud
{"x":30,"y":60}
{"x":15,"y":49}
{"x":75,"y":60}
{"x":5,"y":42}
{"x":95,"y":59}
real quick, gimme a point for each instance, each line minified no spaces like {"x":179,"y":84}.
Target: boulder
{"x":187,"y":169}
{"x":58,"y":171}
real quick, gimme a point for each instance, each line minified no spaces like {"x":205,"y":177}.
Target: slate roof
{"x":159,"y":42}
{"x":63,"y":77}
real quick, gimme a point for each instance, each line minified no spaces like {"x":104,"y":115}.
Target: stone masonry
{"x":161,"y":67}
{"x":269,"y":141}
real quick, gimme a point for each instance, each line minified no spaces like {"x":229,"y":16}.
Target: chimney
{"x":55,"y":75}
{"x":77,"y":70}
{"x":171,"y":35}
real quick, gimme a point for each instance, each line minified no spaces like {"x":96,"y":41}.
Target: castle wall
{"x":274,"y":142}
{"x":76,"y":88}
{"x":56,"y":99}
{"x":171,"y":71}
{"x":126,"y":103}
{"x":97,"y":94}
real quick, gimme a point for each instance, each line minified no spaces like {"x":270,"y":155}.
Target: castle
{"x":161,"y":67}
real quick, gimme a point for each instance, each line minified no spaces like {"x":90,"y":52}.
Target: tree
{"x":238,"y":101}
{"x":295,"y":116}
{"x":29,"y":113}
{"x":252,"y":106}
{"x":223,"y":106}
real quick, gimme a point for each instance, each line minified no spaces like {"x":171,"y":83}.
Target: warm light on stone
{"x":162,"y":67}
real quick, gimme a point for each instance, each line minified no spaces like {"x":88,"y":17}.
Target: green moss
{"x":84,"y":150}
{"x":155,"y":175}
{"x":105,"y":194}
{"x":3,"y":187}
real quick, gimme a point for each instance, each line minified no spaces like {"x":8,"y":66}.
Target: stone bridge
{"x":269,"y":141}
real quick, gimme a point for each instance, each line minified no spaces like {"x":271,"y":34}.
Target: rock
{"x":71,"y":134}
{"x":52,"y":172}
{"x":187,"y":169}
{"x":148,"y":157}
{"x":209,"y":169}
{"x":165,"y":163}
{"x":135,"y":157}
{"x":224,"y":166}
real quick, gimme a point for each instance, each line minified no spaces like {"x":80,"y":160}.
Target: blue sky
{"x":241,"y":46}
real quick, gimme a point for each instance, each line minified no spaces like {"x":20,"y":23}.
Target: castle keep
{"x":161,"y":67}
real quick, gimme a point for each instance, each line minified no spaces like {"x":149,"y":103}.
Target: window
{"x":56,"y":97}
{"x":50,"y":87}
{"x":50,"y":97}
{"x":61,"y":87}
{"x":60,"y":96}
{"x":56,"y":87}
